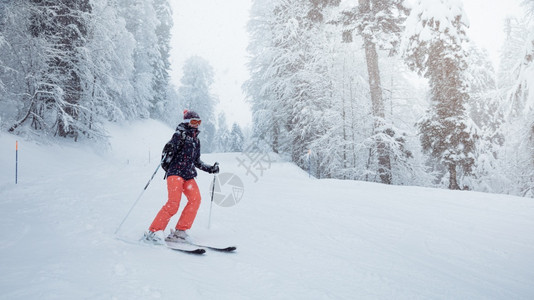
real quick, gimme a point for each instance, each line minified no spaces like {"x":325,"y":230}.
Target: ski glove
{"x":214,"y":169}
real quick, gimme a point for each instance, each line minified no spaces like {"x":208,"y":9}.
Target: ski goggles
{"x":195,"y":122}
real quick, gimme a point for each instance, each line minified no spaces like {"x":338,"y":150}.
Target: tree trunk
{"x":275,"y":139}
{"x":344,"y":116}
{"x":371,"y":55}
{"x":453,"y":183}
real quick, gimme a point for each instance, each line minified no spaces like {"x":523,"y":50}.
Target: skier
{"x":181,"y":179}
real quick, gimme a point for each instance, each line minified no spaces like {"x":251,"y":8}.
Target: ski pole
{"x":135,"y":203}
{"x":211,"y":204}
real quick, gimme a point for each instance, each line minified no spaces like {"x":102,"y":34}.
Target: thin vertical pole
{"x":211,"y":204}
{"x":16,"y":161}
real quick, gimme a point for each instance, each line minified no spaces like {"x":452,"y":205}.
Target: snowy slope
{"x":298,"y":238}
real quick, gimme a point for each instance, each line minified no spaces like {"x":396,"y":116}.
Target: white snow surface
{"x":297,"y":237}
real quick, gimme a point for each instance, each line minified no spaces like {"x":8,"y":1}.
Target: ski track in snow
{"x":297,"y":238}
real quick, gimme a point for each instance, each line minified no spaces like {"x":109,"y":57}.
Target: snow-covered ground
{"x":297,"y":237}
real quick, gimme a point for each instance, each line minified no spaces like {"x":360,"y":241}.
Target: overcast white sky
{"x":216,"y":31}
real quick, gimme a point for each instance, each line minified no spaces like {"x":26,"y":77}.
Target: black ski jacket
{"x":187,"y":157}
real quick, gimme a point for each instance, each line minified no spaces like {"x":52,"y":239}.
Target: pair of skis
{"x":186,"y":246}
{"x":193,"y":248}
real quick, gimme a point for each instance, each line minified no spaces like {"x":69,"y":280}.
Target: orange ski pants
{"x":176,"y":185}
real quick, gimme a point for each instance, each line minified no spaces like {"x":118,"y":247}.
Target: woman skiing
{"x":180,"y":176}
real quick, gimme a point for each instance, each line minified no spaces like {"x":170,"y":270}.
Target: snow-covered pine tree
{"x":348,"y":82}
{"x":3,"y":43}
{"x":309,"y":85}
{"x":237,"y":139}
{"x":162,"y":66}
{"x":379,"y":24}
{"x":404,"y":104}
{"x":483,"y":104}
{"x":290,"y":87}
{"x":436,"y":33}
{"x":56,"y":36}
{"x":173,"y":107}
{"x":69,"y":34}
{"x":516,"y":79}
{"x":195,"y":94}
{"x":485,"y":110}
{"x":268,"y":62}
{"x":110,"y":64}
{"x":142,"y":22}
{"x":17,"y":65}
{"x":222,"y":137}
{"x":528,"y":77}
{"x":66,"y":66}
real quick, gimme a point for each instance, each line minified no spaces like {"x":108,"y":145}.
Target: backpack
{"x":167,"y":155}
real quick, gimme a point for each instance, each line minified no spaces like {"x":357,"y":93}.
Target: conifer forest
{"x":387,"y":91}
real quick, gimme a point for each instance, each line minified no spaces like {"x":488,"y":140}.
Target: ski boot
{"x":155,"y":238}
{"x":177,"y":236}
